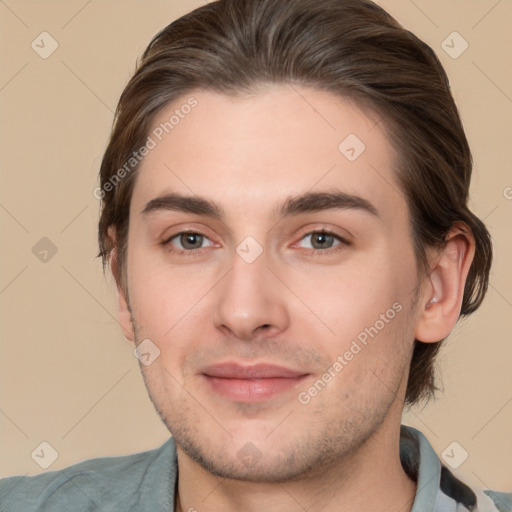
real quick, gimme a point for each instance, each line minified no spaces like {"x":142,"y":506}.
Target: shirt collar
{"x":418,"y":458}
{"x":421,"y":462}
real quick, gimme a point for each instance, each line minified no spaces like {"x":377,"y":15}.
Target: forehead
{"x":249,"y":152}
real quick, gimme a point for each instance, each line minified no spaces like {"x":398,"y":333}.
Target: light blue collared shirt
{"x":147,"y":482}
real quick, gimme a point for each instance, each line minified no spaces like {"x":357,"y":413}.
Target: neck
{"x":370,"y":478}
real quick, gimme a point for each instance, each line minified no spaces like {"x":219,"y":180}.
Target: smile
{"x":251,"y":383}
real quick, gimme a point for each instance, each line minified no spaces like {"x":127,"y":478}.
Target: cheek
{"x":160,"y":296}
{"x":163,"y":305}
{"x":365,"y":306}
{"x":351,"y":297}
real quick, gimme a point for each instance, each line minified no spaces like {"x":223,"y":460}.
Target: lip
{"x":254,"y":383}
{"x":255,"y":371}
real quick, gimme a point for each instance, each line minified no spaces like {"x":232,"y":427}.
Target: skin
{"x":292,"y":306}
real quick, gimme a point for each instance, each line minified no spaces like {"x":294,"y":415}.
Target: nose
{"x":250,"y":301}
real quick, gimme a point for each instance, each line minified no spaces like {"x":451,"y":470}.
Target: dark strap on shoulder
{"x":456,"y":489}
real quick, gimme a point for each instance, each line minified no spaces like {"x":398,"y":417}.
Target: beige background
{"x":68,"y":377}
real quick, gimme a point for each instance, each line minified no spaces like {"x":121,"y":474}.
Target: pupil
{"x":191,"y":240}
{"x":321,"y":240}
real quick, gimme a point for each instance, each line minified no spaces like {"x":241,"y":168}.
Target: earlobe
{"x":442,"y":299}
{"x":124,"y":315}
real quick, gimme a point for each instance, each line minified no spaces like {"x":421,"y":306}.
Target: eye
{"x":321,"y":240}
{"x":188,"y":241}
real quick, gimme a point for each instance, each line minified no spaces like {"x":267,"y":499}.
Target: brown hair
{"x":352,"y":48}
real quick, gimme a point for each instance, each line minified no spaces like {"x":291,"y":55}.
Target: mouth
{"x":255,"y":383}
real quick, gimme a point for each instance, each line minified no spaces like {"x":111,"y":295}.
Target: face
{"x":271,"y":266}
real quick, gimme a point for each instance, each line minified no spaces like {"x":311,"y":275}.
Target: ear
{"x":441,"y":300}
{"x":124,"y":315}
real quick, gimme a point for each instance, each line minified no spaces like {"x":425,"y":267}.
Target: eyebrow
{"x":305,"y":203}
{"x":318,"y":201}
{"x":186,"y":204}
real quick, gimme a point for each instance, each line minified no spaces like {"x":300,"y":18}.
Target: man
{"x":285,"y":214}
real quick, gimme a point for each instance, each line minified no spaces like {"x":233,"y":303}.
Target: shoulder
{"x":109,"y":483}
{"x":471,"y":498}
{"x":439,"y":489}
{"x":500,"y":501}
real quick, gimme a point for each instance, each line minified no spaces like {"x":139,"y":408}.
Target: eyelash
{"x":316,"y":252}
